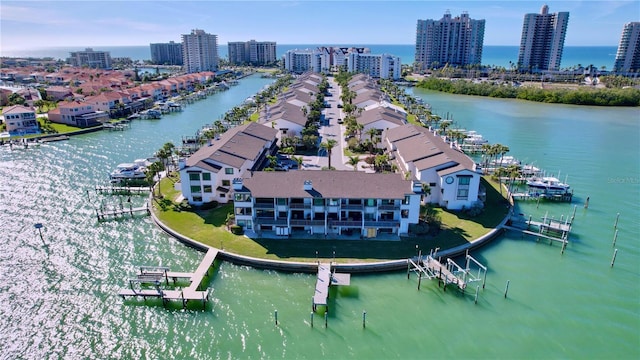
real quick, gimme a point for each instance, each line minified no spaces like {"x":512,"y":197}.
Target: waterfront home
{"x":427,"y":158}
{"x":287,"y":118}
{"x":381,"y":118}
{"x":57,"y":93}
{"x":326,"y":203}
{"x":20,"y":120}
{"x":206,"y":175}
{"x":77,"y":113}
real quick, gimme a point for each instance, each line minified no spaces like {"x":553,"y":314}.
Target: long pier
{"x":155,"y":275}
{"x":324,"y":281}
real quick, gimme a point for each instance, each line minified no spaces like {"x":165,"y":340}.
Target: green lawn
{"x":207,"y":226}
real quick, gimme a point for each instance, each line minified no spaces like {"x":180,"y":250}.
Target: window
{"x":228,"y":171}
{"x":463,"y":194}
{"x":242,"y":197}
{"x":281,"y":201}
{"x":404,"y":214}
{"x":334,"y":202}
{"x":206,"y":176}
{"x":197,"y":198}
{"x":226,"y":182}
{"x":207,"y":189}
{"x":318,"y":201}
{"x":195,"y":189}
{"x":407,"y":200}
{"x":464,"y":180}
{"x":371,"y":202}
{"x":194,"y":176}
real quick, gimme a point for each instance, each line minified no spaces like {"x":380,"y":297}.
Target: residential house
{"x":426,"y":157}
{"x":20,"y":120}
{"x":78,"y":113}
{"x":206,"y":175}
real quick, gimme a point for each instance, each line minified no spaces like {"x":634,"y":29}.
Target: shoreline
{"x":312,"y":267}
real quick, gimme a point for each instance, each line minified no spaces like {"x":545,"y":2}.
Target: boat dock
{"x":548,"y":228}
{"x":104,"y":211}
{"x":324,"y":281}
{"x":122,"y":190}
{"x":567,"y":197}
{"x":157,"y":274}
{"x":449,"y":273}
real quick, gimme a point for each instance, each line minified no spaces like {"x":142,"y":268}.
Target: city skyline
{"x":41,"y":24}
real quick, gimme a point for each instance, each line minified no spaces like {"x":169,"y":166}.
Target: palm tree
{"x":426,"y":191}
{"x":328,"y":145}
{"x":353,"y":161}
{"x":299,"y":160}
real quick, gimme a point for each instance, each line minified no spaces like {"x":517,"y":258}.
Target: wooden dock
{"x":123,"y":190}
{"x":548,"y":228}
{"x":155,"y":275}
{"x":103,"y":213}
{"x":324,"y":280}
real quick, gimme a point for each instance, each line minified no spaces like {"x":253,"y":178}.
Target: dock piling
{"x":276,"y":317}
{"x":475,"y":301}
{"x":506,"y":289}
{"x":364,"y":319}
{"x":312,"y":319}
{"x":613,"y":260}
{"x":326,"y":318}
{"x":615,"y":237}
{"x":615,"y":225}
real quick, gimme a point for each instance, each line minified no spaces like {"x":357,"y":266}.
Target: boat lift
{"x":451,"y":273}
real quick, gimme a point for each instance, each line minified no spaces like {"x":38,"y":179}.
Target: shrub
{"x":237,"y":230}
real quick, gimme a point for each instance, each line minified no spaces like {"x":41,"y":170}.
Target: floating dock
{"x":157,"y":274}
{"x":324,"y":281}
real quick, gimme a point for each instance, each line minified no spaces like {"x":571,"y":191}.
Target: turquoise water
{"x":59,"y":300}
{"x":492,"y":55}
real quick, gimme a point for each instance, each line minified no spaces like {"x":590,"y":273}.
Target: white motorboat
{"x":128,"y":171}
{"x":547,"y":185}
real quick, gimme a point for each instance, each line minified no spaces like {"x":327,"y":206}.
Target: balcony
{"x":382,"y":223}
{"x":296,"y":222}
{"x":270,"y":221}
{"x":351,"y":223}
{"x":299,"y":206}
{"x":359,"y":207}
{"x":263,"y":206}
{"x":390,"y":207}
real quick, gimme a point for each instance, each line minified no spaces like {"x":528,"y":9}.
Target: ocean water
{"x":58,"y":297}
{"x":492,"y":55}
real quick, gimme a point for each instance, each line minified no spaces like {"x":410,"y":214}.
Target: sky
{"x":28,"y":24}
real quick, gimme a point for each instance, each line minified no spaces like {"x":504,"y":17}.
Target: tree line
{"x":582,"y":96}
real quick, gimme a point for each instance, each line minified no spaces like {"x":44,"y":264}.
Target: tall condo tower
{"x":628,"y":55}
{"x":252,"y":52}
{"x":200,"y":51}
{"x":542,"y":40}
{"x":166,"y":53}
{"x":456,"y":41}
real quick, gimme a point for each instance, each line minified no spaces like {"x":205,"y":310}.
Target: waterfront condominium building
{"x":542,"y":40}
{"x":252,"y":52}
{"x":628,"y":55}
{"x":383,"y":66}
{"x":199,"y":51}
{"x":166,"y":53}
{"x":91,"y":58}
{"x":299,"y":61}
{"x":456,"y":41}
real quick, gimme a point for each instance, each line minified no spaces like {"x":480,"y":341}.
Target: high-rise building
{"x":166,"y":53}
{"x":456,"y":41}
{"x":299,"y":61}
{"x":199,"y":51}
{"x":92,"y":59}
{"x":542,"y":40}
{"x":252,"y":52}
{"x":628,"y":55}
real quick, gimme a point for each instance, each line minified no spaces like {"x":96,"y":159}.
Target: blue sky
{"x":30,"y":24}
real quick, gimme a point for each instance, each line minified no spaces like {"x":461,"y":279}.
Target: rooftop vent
{"x":308,"y":185}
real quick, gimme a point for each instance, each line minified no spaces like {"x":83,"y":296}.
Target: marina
{"x":77,"y":278}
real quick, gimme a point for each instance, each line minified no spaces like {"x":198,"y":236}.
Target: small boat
{"x":547,"y":185}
